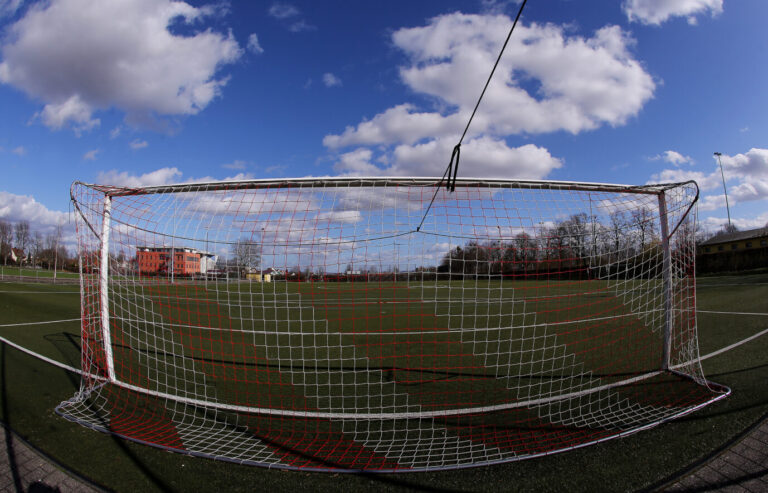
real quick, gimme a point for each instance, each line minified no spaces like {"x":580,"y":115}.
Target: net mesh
{"x":353,"y":324}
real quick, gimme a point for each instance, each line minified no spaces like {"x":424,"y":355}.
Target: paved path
{"x":742,"y":467}
{"x":23,"y":469}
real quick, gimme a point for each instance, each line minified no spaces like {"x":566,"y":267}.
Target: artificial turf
{"x":31,"y":389}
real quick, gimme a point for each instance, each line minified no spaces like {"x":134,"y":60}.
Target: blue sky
{"x":146,"y":92}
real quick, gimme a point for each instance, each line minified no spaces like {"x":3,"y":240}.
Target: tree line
{"x":20,"y":245}
{"x":572,"y":247}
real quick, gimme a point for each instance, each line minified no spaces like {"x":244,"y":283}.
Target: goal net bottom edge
{"x":382,"y":445}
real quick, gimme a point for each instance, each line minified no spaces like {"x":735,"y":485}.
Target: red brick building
{"x":157,"y":261}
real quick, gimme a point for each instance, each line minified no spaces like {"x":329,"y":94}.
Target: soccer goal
{"x":385,"y":324}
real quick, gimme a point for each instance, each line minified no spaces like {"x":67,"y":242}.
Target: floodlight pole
{"x":727,"y":207}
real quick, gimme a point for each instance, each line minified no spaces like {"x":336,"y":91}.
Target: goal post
{"x":104,"y":286}
{"x":385,"y":324}
{"x":666,"y":279}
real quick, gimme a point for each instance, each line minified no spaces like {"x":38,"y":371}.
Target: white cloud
{"x":748,"y":170}
{"x":301,"y":25}
{"x":9,"y":7}
{"x":498,"y":6}
{"x":137,"y":144}
{"x":357,"y":163}
{"x":78,"y":57}
{"x":753,"y":164}
{"x":706,"y":181}
{"x":483,"y":157}
{"x":162,"y":176}
{"x":714,"y":223}
{"x":15,"y":208}
{"x":346,"y":217}
{"x":253,"y":44}
{"x":331,"y":80}
{"x":115,"y":132}
{"x":401,"y":123}
{"x":673,"y":157}
{"x":711,"y":202}
{"x":236,"y":164}
{"x":282,"y":10}
{"x":657,"y":11}
{"x":73,"y":111}
{"x":275,"y":168}
{"x":547,"y":81}
{"x":19,"y":151}
{"x":750,"y":190}
{"x":91,"y":155}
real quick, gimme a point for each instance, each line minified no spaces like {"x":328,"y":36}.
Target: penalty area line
{"x":41,"y":323}
{"x":734,"y":345}
{"x":733,"y":313}
{"x":433,"y":413}
{"x":45,"y":358}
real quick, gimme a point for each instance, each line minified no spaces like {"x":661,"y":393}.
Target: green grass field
{"x":7,"y":270}
{"x":31,"y":389}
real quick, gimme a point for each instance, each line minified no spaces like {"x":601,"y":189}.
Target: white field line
{"x":707,"y":285}
{"x":375,"y":416}
{"x":306,"y":299}
{"x":42,"y":323}
{"x":734,"y":345}
{"x":732,"y":313}
{"x":383,"y":416}
{"x":41,"y":357}
{"x":392,"y":332}
{"x":41,"y":292}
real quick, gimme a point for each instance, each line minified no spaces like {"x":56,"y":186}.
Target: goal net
{"x":385,"y":324}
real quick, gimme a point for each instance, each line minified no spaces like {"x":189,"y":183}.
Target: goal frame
{"x":667,"y":231}
{"x":658,"y":190}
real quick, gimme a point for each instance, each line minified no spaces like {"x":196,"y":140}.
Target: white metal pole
{"x":104,"y":287}
{"x":667,"y":282}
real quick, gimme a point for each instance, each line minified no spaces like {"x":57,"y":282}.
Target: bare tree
{"x":526,"y":249}
{"x":246,"y":254}
{"x":730,"y":228}
{"x":21,"y":231}
{"x":617,"y":230}
{"x":642,"y":221}
{"x":6,"y":239}
{"x":37,"y":247}
{"x":570,"y":237}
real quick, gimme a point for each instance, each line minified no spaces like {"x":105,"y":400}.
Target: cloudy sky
{"x":146,"y":92}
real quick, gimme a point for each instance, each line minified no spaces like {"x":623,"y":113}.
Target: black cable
{"x":451,"y":169}
{"x":498,"y":59}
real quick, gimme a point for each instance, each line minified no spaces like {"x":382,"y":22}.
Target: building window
{"x":734,"y":246}
{"x":763,"y":242}
{"x":720,"y":248}
{"x":749,"y":244}
{"x":706,"y":249}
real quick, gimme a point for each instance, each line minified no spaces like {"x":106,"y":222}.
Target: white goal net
{"x":385,"y":324}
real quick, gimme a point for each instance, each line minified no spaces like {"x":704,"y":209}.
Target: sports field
{"x":12,"y":271}
{"x":32,"y":389}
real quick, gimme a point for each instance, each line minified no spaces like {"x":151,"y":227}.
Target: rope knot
{"x":451,"y":185}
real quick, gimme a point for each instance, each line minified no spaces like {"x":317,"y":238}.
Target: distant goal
{"x":385,"y":324}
